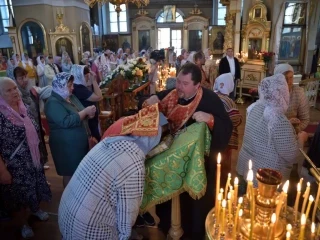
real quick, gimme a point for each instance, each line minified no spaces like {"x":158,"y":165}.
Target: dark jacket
{"x":225,"y":68}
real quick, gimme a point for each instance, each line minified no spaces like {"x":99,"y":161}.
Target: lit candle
{"x":285,"y":195}
{"x":218,"y":178}
{"x":300,"y":181}
{"x":311,"y":199}
{"x":288,"y":236}
{"x":218,"y":208}
{"x":236,"y":218}
{"x":224,"y":204}
{"x":313,"y":230}
{"x":249,"y":179}
{"x":240,"y":215}
{"x":289,"y":227}
{"x":227,"y":185}
{"x":281,"y":199}
{"x":229,"y":204}
{"x":306,"y":196}
{"x":271,"y":229}
{"x":316,"y":204}
{"x":250,"y":164}
{"x":302,"y":227}
{"x":236,"y":187}
{"x":296,"y":204}
{"x":252,"y":201}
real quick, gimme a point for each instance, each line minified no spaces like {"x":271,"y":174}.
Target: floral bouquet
{"x":134,"y":68}
{"x":267,"y":56}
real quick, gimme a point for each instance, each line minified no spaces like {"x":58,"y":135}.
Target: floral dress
{"x":29,"y":186}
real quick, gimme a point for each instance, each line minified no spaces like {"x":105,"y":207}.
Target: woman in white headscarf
{"x":191,"y":57}
{"x":40,"y":71}
{"x":224,"y":85}
{"x":298,"y":110}
{"x":87,"y":97}
{"x":269,"y":139}
{"x":67,"y":119}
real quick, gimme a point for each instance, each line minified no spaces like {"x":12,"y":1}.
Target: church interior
{"x":261,"y":35}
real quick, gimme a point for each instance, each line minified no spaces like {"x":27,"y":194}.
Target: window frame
{"x":8,"y":5}
{"x":118,"y":21}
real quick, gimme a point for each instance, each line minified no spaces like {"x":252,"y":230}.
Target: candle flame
{"x":308,"y":184}
{"x":250,"y":164}
{"x":289,"y":227}
{"x":311,"y":199}
{"x":236,"y":181}
{"x":240,"y":213}
{"x":288,"y":235}
{"x":229,"y":195}
{"x":229,"y":175}
{"x":240,"y":200}
{"x":221,"y":190}
{"x":219,"y":196}
{"x":224,"y":203}
{"x":250,"y":175}
{"x":303,"y":219}
{"x":219,"y":158}
{"x":313,"y":227}
{"x":299,"y":187}
{"x":286,"y":186}
{"x":273,"y":218}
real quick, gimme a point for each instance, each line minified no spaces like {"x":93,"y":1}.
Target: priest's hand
{"x":152,"y":100}
{"x":202,"y":117}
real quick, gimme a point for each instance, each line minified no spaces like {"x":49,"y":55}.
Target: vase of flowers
{"x":267,"y":57}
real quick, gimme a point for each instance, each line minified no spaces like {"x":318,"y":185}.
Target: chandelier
{"x":117,"y":3}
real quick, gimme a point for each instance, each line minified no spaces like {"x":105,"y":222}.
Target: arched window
{"x":222,"y":10}
{"x":5,"y":8}
{"x":118,"y":24}
{"x":161,"y":19}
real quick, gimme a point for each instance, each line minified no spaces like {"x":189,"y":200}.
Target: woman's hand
{"x":90,"y":111}
{"x":5,"y":177}
{"x":303,"y":136}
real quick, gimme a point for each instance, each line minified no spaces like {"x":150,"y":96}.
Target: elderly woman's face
{"x":289,"y":78}
{"x":22,"y":81}
{"x":70,"y":87}
{"x":10,"y":93}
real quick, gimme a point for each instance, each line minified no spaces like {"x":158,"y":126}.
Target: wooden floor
{"x":9,"y":230}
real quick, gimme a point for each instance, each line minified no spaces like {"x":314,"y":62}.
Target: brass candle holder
{"x":266,"y":200}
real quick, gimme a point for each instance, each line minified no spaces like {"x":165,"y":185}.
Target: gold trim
{"x":90,"y":38}
{"x":43,"y":30}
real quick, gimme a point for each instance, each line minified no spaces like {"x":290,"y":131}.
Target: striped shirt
{"x":298,"y":106}
{"x":102,"y":199}
{"x":279,"y":154}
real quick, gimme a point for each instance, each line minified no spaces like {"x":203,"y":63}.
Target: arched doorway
{"x":171,"y":27}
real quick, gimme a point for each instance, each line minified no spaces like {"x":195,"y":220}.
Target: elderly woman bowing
{"x":68,"y":125}
{"x":103,"y":197}
{"x":269,"y":138}
{"x":22,"y":179}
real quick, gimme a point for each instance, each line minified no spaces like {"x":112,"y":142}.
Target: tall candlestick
{"x":302,"y":227}
{"x":224,"y":204}
{"x":253,"y":207}
{"x":306,"y":196}
{"x":227,"y":186}
{"x":309,"y":206}
{"x":296,"y":204}
{"x":301,"y":181}
{"x":316,"y":204}
{"x":236,"y":187}
{"x":271,"y":230}
{"x":281,"y":200}
{"x":218,"y":178}
{"x":229,"y":204}
{"x":285,"y":195}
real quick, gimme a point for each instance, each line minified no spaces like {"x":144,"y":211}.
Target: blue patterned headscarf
{"x":77,"y":72}
{"x":60,"y":84}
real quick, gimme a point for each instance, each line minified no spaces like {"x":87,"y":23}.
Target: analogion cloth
{"x":181,"y":168}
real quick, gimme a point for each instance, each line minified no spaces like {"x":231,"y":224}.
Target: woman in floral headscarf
{"x":269,"y":138}
{"x":66,"y":117}
{"x":86,"y":96}
{"x":22,"y":181}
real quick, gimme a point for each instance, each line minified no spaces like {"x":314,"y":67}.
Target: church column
{"x":228,"y":37}
{"x":12,"y":32}
{"x":185,"y":37}
{"x":237,"y":31}
{"x":205,"y":35}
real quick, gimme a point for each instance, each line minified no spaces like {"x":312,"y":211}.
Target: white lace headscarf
{"x":274,"y":95}
{"x":283,"y":68}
